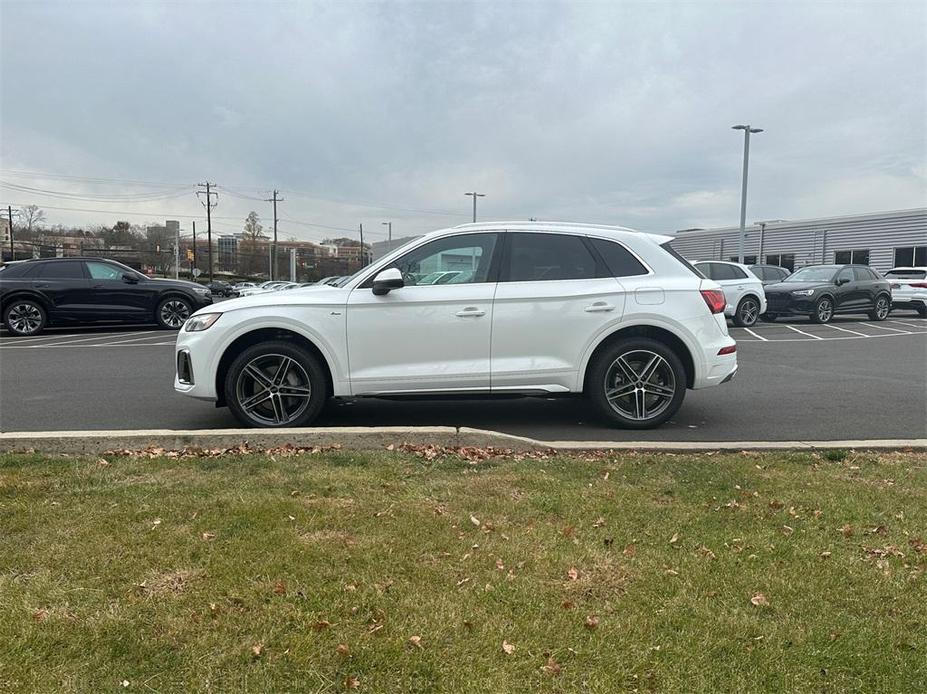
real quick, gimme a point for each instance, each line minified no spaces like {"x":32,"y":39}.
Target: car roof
{"x":570,"y":227}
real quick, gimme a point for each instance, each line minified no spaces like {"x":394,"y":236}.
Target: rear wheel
{"x":823,"y":310}
{"x":275,"y":384}
{"x":24,"y":317}
{"x":637,"y":383}
{"x":173,"y":312}
{"x":882,"y":306}
{"x":748,"y":310}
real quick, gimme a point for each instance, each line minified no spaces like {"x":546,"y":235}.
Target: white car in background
{"x":548,"y":308}
{"x":909,"y":288}
{"x":743,"y":291}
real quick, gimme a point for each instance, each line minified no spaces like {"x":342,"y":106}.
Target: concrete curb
{"x":377,"y":438}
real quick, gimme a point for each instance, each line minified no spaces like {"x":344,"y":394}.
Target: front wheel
{"x":173,"y":312}
{"x":25,"y":317}
{"x":275,"y":384}
{"x":881,"y":308}
{"x":637,"y":383}
{"x":748,"y":310}
{"x":823,"y":310}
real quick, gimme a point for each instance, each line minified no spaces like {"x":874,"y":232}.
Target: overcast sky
{"x":613,"y":112}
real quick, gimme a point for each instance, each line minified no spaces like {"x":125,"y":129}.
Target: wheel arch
{"x":653,"y":332}
{"x":7,"y":299}
{"x":256,"y":336}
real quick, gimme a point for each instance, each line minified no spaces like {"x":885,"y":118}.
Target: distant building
{"x":227,"y":245}
{"x":881,"y":239}
{"x":381,"y":248}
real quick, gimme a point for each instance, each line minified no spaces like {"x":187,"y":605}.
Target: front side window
{"x":548,"y":257}
{"x":846,"y":275}
{"x":104,"y":271}
{"x":463,"y":259}
{"x":62,"y":271}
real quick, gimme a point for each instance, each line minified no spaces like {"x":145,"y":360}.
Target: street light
{"x":743,"y":192}
{"x":475,"y":196}
{"x":389,"y":231}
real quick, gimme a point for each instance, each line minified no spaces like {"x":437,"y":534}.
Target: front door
{"x":433,"y":334}
{"x":115,"y":297}
{"x":851,"y":293}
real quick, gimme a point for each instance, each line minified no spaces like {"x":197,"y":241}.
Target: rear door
{"x":64,"y":286}
{"x":554,"y":296}
{"x":852,"y":295}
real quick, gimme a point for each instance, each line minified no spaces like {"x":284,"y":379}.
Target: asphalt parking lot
{"x":851,"y":379}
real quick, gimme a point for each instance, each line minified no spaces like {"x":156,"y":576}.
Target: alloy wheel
{"x":881,"y":308}
{"x":825,"y":310}
{"x":640,"y":385}
{"x":174,"y":313}
{"x":24,"y":318}
{"x":749,"y":311}
{"x":273,"y":389}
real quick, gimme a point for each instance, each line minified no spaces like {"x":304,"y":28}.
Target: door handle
{"x":470,"y":311}
{"x":42,"y":285}
{"x":599,"y":307}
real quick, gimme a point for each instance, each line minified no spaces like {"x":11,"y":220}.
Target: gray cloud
{"x":606,"y":112}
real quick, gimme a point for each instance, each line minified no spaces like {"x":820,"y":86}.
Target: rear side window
{"x":62,"y":271}
{"x":736,"y":272}
{"x":618,"y":259}
{"x":668,"y":247}
{"x":548,"y":257}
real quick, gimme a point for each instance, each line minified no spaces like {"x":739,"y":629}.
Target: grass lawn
{"x":405,"y":572}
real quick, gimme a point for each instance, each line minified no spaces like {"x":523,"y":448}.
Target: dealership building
{"x":882,"y":240}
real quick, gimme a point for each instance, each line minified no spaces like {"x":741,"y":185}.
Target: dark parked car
{"x":820,"y":291}
{"x":221,"y":288}
{"x":769,"y":274}
{"x":37,"y":293}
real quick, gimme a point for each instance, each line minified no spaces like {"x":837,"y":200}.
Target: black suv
{"x":36,"y":293}
{"x":820,"y":291}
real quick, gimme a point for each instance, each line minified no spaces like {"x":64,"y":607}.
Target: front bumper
{"x":789,"y":305}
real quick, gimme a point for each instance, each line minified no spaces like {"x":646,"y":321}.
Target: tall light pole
{"x":743,"y":192}
{"x":475,"y":196}
{"x":389,"y":231}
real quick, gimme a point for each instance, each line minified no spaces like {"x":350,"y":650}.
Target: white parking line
{"x":883,"y":327}
{"x":910,"y":325}
{"x":802,"y":332}
{"x":758,"y":337}
{"x":67,"y":341}
{"x":837,"y":327}
{"x":136,"y":339}
{"x":105,"y":344}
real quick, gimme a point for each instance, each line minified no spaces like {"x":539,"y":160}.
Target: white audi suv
{"x":536,"y":309}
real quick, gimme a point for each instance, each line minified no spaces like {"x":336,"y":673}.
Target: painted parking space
{"x":92,"y":338}
{"x":838,"y":329}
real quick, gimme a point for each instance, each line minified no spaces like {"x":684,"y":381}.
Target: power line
{"x":93,"y":197}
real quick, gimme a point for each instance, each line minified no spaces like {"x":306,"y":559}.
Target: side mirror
{"x":387,"y":280}
{"x":842,"y":281}
{"x":131,"y":279}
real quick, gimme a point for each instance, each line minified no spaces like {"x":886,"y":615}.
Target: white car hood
{"x":305,"y":296}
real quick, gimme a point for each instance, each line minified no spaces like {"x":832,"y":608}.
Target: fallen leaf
{"x":567,"y":604}
{"x":374,"y":628}
{"x":40,"y":615}
{"x":280,"y":588}
{"x":847,"y":530}
{"x":257,"y":649}
{"x":787,"y":530}
{"x":552,"y":667}
{"x":759,"y":599}
{"x":499,"y":565}
{"x":351,"y":682}
{"x":475,"y":520}
{"x":776,"y":505}
{"x":674,"y":539}
{"x":207,"y":536}
{"x":591,"y":622}
{"x":599,"y":522}
{"x":103,"y":462}
{"x":507,"y":648}
{"x":321,"y":625}
{"x":416,"y":641}
{"x":630,"y":550}
{"x":573,"y":573}
{"x":824,"y":555}
{"x":342,"y":649}
{"x":568,"y":530}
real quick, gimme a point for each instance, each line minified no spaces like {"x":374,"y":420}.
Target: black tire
{"x":173,"y":312}
{"x":748,"y":310}
{"x":768,"y":317}
{"x":25,"y":317}
{"x":823,"y":310}
{"x":255,"y":373}
{"x":881,"y":309}
{"x":607,"y":374}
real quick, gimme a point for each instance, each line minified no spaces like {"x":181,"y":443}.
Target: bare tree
{"x":252,"y":249}
{"x":31,"y":216}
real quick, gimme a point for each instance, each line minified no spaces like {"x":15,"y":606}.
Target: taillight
{"x":727,"y":350}
{"x":715,"y":300}
{"x":919,"y":285}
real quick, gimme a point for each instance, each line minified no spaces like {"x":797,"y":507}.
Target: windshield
{"x":822,"y":273}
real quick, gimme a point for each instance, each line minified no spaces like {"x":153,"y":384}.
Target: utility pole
{"x":475,"y":195}
{"x":743,"y":192}
{"x":389,"y":237}
{"x":194,"y":250}
{"x":177,"y":255}
{"x":363,"y":252}
{"x":9,"y":211}
{"x":209,"y":204}
{"x":273,"y":262}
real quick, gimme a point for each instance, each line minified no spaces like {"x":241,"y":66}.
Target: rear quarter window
{"x":618,"y":259}
{"x":668,"y":247}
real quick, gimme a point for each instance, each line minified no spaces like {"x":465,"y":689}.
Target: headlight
{"x":803,"y":292}
{"x":202,"y":290}
{"x":201,"y":322}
